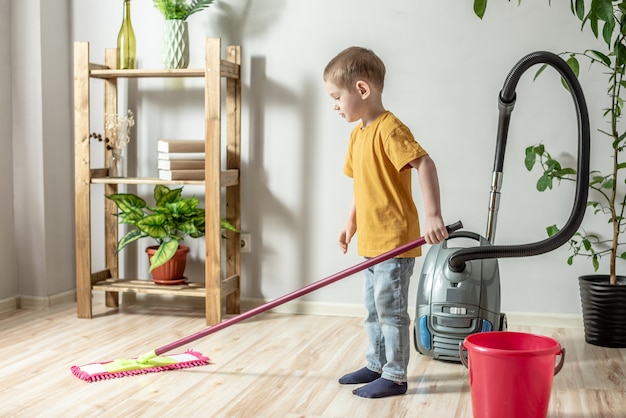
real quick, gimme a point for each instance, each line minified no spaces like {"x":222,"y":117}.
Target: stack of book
{"x":181,"y":159}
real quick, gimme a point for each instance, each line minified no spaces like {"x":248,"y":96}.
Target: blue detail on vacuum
{"x":424,"y":334}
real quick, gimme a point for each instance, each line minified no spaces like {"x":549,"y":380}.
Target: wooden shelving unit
{"x":221,"y":288}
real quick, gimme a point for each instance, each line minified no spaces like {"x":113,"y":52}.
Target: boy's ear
{"x":363,"y":89}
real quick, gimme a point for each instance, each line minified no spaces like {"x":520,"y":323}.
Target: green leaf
{"x":188,"y":228}
{"x":530,"y":159}
{"x":620,"y":53}
{"x":163,"y":195}
{"x":179,"y":9}
{"x":593,"y":23}
{"x":596,"y":180}
{"x":595,"y":262}
{"x":602,"y":57}
{"x":153,"y":225}
{"x":128,"y":203}
{"x":130,"y":218}
{"x":130,"y":237}
{"x":602,"y":9}
{"x":579,"y":8}
{"x":593,"y":203}
{"x":573,"y":64}
{"x":607,"y":31}
{"x":164,"y":253}
{"x":553,"y":165}
{"x":225,"y":224}
{"x":480,"y":6}
{"x":544,"y":182}
{"x":552,"y":230}
{"x":198,"y":5}
{"x":539,"y":71}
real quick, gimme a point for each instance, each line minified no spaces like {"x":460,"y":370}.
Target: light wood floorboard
{"x":274,"y":365}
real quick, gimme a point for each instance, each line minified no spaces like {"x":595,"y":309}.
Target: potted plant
{"x":171,"y":220}
{"x":603,"y":296}
{"x":176,"y":35}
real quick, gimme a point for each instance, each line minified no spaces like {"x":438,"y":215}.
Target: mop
{"x":154,"y":361}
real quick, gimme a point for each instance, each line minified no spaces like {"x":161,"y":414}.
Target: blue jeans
{"x":387,"y":324}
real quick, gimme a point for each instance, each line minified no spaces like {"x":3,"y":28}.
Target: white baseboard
{"x":310,"y":308}
{"x":545,"y":319}
{"x":8,"y":304}
{"x":293,"y":307}
{"x":355,"y":310}
{"x":45,"y":302}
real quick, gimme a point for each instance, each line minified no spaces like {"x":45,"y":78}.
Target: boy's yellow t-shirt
{"x":377,"y":161}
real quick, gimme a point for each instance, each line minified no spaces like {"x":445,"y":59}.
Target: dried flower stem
{"x":117,"y":130}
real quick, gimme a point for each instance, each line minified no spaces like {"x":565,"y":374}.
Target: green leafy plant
{"x":180,"y":9}
{"x":607,"y":20}
{"x":171,"y":219}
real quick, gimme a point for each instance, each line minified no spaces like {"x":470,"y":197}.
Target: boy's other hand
{"x":345,"y":236}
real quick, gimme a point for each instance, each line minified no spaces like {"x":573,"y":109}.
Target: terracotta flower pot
{"x":172,"y":272}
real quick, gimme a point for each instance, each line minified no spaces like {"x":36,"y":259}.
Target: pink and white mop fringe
{"x":94,"y":372}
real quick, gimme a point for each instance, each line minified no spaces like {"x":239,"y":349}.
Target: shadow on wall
{"x":259,"y":205}
{"x":232,"y":22}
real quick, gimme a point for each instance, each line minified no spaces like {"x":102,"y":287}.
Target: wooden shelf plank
{"x":147,"y":286}
{"x":99,"y":176}
{"x":195,"y":289}
{"x":227,"y":69}
{"x":230,"y":285}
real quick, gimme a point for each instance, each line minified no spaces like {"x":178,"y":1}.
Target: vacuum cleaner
{"x":459,"y":287}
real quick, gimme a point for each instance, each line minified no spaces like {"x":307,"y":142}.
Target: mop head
{"x":147,"y":363}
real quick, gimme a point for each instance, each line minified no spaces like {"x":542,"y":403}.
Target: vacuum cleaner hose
{"x":506,"y":103}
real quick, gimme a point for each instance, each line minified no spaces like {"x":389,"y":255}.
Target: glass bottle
{"x":126,"y":50}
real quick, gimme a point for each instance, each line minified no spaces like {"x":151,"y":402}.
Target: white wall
{"x":8,"y":281}
{"x":37,"y":175}
{"x":445,"y":69}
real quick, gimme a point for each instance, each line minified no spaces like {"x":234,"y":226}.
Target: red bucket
{"x":510,"y":373}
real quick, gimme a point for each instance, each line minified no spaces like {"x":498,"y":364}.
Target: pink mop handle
{"x":300,"y":292}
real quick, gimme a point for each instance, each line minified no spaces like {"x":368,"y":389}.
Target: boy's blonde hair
{"x":353,"y":64}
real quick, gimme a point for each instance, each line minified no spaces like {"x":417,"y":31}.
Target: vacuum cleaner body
{"x":450,"y":305}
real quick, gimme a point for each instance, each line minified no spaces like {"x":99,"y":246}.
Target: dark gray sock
{"x":363,"y":375}
{"x":381,"y":388}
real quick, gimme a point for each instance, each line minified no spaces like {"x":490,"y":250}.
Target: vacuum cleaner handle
{"x":301,"y":292}
{"x":456,"y":261}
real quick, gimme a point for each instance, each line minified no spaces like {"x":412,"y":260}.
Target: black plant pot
{"x":604,"y":310}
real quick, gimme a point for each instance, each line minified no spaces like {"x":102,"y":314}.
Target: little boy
{"x":380,"y":155}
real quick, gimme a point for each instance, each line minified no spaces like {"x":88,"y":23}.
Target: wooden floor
{"x":274,"y":365}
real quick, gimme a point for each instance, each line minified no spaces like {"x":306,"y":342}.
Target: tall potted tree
{"x":603,"y":296}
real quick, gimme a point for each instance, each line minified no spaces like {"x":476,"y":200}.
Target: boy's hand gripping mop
{"x":153,"y":361}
